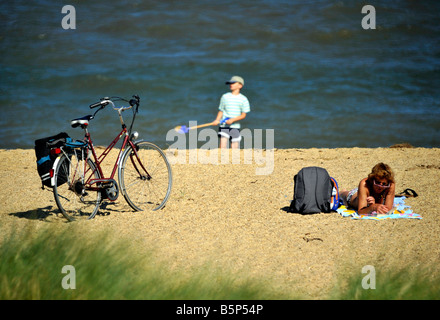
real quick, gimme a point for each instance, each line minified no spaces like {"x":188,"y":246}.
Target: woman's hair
{"x":381,"y":171}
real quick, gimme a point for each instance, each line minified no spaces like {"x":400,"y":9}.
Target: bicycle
{"x":79,"y":184}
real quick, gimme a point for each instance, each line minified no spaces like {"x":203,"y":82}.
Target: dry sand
{"x":228,"y":216}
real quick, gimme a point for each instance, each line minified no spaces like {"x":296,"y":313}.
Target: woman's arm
{"x":364,"y":199}
{"x":366,"y":205}
{"x":389,"y":199}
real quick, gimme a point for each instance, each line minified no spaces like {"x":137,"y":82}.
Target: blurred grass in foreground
{"x":391,"y":283}
{"x":31,"y":263}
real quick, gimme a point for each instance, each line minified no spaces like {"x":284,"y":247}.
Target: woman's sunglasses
{"x":382,"y":185}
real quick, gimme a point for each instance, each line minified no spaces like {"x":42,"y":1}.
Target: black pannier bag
{"x":314,"y":191}
{"x":45,"y":159}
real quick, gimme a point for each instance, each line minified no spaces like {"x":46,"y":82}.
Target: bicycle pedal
{"x":112,"y":192}
{"x":107,"y":183}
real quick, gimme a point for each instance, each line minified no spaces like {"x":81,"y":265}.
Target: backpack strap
{"x":335,"y":201}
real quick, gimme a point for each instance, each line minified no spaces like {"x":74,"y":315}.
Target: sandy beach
{"x":229,"y":216}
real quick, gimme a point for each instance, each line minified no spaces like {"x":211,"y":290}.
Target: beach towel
{"x":400,"y":211}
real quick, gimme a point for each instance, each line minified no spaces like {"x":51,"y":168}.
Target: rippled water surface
{"x":312,"y":73}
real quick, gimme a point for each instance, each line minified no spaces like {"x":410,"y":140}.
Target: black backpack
{"x":45,"y":159}
{"x":314,"y":191}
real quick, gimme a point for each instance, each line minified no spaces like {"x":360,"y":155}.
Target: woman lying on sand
{"x":374,"y":194}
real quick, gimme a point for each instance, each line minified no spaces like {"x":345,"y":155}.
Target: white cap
{"x":235,"y":79}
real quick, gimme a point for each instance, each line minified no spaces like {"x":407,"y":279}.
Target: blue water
{"x":312,"y":73}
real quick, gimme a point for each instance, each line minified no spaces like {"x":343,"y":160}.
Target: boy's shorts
{"x":233,"y":134}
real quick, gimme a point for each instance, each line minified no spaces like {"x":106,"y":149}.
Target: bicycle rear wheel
{"x":72,"y":197}
{"x":145,"y":177}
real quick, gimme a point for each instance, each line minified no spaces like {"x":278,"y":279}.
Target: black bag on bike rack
{"x":45,"y":159}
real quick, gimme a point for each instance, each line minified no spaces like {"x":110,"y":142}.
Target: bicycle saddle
{"x":83,"y":121}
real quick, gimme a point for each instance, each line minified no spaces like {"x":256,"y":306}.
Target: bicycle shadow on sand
{"x":37,"y":214}
{"x":46,"y":213}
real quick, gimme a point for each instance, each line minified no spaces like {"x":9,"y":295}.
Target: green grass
{"x":391,"y":284}
{"x":31,"y":263}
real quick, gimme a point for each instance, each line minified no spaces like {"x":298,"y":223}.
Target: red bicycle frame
{"x":88,"y":184}
{"x":98,"y":160}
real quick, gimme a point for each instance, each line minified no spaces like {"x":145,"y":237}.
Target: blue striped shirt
{"x":232,"y":106}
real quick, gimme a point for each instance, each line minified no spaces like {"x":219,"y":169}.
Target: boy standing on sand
{"x":235,"y":106}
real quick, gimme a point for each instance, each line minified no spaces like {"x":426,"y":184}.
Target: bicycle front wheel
{"x":145,"y":177}
{"x":73,"y":198}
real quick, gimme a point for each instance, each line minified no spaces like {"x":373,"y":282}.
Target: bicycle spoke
{"x":69,"y":190}
{"x":146,"y":179}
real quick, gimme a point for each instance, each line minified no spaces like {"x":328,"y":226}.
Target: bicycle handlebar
{"x":95,"y":105}
{"x":105,"y":101}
